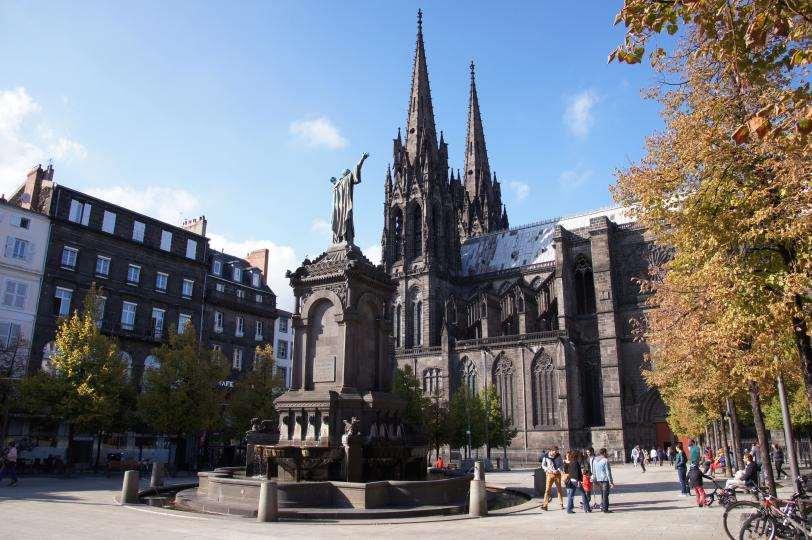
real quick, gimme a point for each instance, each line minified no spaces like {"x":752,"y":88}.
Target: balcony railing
{"x":516,"y":338}
{"x":418,"y":351}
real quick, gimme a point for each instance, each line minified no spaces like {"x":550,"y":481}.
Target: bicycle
{"x":778,"y":518}
{"x":738,"y":511}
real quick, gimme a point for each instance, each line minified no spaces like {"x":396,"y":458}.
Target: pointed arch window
{"x":584,"y":286}
{"x":397,"y":231}
{"x":543,"y":390}
{"x":466,"y":376}
{"x":431,"y":381}
{"x":417,"y":231}
{"x":592,"y":387}
{"x":398,"y":324}
{"x":503,"y":381}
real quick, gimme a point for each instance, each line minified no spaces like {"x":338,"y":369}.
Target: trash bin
{"x":539,"y":479}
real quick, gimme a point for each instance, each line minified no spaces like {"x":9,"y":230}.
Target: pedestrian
{"x":654,"y":456}
{"x":602,"y":472}
{"x":695,"y":479}
{"x":10,"y":463}
{"x":693,"y":453}
{"x":553,"y":467}
{"x":671,"y":454}
{"x":680,"y":464}
{"x":634,"y":455}
{"x":745,"y":478}
{"x":573,"y":481}
{"x":595,"y":489}
{"x":439,"y":464}
{"x":778,"y":459}
{"x":661,"y":455}
{"x":641,"y":457}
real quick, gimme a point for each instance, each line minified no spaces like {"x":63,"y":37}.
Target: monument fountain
{"x":341,"y":441}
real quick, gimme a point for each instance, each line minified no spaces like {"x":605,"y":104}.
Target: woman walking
{"x":574,"y":475}
{"x":680,"y":464}
{"x":603,"y":477}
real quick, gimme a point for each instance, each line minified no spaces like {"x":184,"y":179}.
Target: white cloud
{"x":280,"y":259}
{"x":572,"y":179}
{"x":320,"y":226}
{"x":68,"y":149}
{"x":164,"y":203}
{"x":578,"y":114}
{"x":373,"y":253}
{"x":26,"y":140}
{"x":521,"y":190}
{"x":318,"y":132}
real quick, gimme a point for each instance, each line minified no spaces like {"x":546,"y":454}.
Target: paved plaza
{"x":644,"y":504}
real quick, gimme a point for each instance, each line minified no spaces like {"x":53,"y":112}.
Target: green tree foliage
{"x":254,"y":393}
{"x":467,"y":414}
{"x":406,"y":386}
{"x":183,"y":395}
{"x":87,"y":388}
{"x":500,"y":430}
{"x":437,"y":424}
{"x":799,"y":412}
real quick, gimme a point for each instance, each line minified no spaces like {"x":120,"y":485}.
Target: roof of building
{"x":526,"y":245}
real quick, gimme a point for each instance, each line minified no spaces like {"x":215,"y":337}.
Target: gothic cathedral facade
{"x":541,"y":312}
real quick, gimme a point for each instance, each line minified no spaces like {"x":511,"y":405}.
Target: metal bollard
{"x":129,"y":490}
{"x":157,"y":479}
{"x":539,"y":482}
{"x":477,"y":495}
{"x":268,"y":509}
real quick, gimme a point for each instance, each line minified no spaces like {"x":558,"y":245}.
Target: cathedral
{"x":542,"y":312}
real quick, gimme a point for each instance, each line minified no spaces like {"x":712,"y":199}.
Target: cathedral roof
{"x":525,"y":245}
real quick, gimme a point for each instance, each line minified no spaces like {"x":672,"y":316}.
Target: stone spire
{"x":421,"y":135}
{"x":477,"y":169}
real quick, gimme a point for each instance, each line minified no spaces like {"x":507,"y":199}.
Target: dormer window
{"x":237,"y":274}
{"x":217,"y":267}
{"x":255,"y":279}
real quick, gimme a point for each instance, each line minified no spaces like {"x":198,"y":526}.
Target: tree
{"x":254,"y":394}
{"x":12,"y":367}
{"x":437,"y":424}
{"x":183,"y":394}
{"x":500,"y":430}
{"x":88,"y":388}
{"x":467,"y":420}
{"x":725,"y":189}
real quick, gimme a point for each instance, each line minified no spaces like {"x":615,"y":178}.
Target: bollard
{"x":477,"y":496}
{"x":268,"y":509}
{"x":129,"y":490}
{"x":157,"y":479}
{"x":539,"y":482}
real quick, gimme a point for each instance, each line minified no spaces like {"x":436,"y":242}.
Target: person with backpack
{"x":10,"y":464}
{"x":602,"y":472}
{"x":574,"y":479}
{"x":553,"y":467}
{"x":695,"y":479}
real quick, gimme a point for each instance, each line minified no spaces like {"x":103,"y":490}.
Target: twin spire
{"x":483,"y":191}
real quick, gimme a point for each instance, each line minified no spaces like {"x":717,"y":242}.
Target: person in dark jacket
{"x":681,"y":465}
{"x":695,"y":479}
{"x":572,"y":467}
{"x":778,"y":459}
{"x":746,"y":478}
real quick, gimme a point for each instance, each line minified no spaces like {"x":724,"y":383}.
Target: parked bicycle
{"x":777,"y":518}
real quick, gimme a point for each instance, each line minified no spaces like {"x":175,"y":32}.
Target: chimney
{"x":259,"y":259}
{"x":196,"y":225}
{"x":31,"y":197}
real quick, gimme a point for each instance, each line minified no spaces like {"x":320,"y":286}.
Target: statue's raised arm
{"x":357,"y":179}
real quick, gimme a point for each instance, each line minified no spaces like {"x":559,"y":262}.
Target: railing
{"x":418,"y":351}
{"x":517,"y":338}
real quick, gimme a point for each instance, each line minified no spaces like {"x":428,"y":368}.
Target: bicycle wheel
{"x":736,"y":514}
{"x":758,"y":525}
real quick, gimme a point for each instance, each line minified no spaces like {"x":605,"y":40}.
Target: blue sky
{"x":242,"y":111}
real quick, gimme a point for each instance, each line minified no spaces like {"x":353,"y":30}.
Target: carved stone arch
{"x":544,"y":390}
{"x":652,"y":408}
{"x":503,"y":381}
{"x":322,"y":335}
{"x":317,"y":296}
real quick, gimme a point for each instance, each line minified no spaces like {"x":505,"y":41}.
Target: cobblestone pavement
{"x":645,"y":505}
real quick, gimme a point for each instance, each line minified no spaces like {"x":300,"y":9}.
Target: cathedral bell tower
{"x":420,"y":242}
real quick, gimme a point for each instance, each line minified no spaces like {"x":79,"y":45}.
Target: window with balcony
{"x":101,"y":304}
{"x":184,"y":320}
{"x":218,"y":322}
{"x":188,"y":288}
{"x":241,"y":294}
{"x":239,"y":329}
{"x":128,"y":310}
{"x":133,"y":274}
{"x":258,"y":330}
{"x":219,"y":287}
{"x":161,"y":281}
{"x":236,"y":360}
{"x":69,"y":257}
{"x":158,"y":323}
{"x":102,"y":266}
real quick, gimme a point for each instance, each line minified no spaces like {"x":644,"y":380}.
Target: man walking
{"x":10,"y":464}
{"x":553,"y":467}
{"x":693,"y":454}
{"x":603,"y":476}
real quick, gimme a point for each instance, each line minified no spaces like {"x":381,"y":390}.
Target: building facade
{"x":541,"y":312}
{"x":25,"y":238}
{"x":284,"y":346}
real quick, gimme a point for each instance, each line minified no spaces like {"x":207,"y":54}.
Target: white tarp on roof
{"x":525,"y":245}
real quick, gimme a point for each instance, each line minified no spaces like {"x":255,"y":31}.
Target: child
{"x":695,"y":481}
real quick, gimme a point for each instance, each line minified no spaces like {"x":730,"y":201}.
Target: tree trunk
{"x":804,"y":346}
{"x":789,"y":435}
{"x":761,"y":432}
{"x":728,"y":467}
{"x":98,"y":451}
{"x":735,"y":430}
